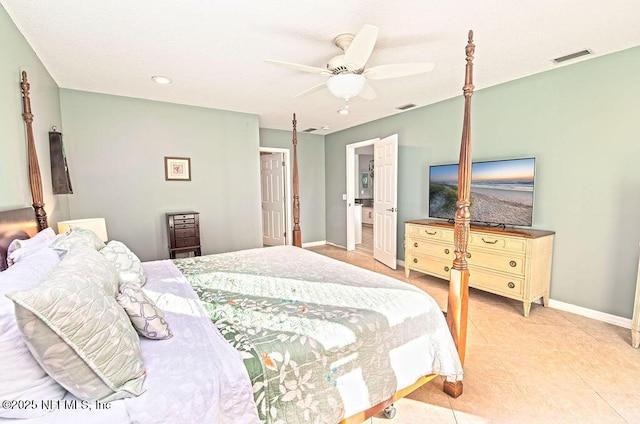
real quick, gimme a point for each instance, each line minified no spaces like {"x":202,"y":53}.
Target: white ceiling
{"x":215,"y":50}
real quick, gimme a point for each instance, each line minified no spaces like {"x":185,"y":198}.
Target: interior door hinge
{"x":282,"y":163}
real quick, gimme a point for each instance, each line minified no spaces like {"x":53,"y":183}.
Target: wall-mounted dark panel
{"x":59,"y":171}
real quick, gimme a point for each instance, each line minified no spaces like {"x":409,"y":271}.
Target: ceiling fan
{"x":347,"y":72}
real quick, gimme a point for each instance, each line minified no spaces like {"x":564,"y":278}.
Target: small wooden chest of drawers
{"x":183,"y":232}
{"x":514,"y":263}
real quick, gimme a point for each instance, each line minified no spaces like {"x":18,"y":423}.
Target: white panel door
{"x":272,"y":189}
{"x":385,"y":200}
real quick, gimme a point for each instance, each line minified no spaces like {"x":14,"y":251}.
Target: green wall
{"x":311,"y":172}
{"x":17,"y":56}
{"x":579,"y":123}
{"x":116,"y":147}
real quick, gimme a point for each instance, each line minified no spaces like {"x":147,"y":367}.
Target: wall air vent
{"x":572,"y":56}
{"x":308,"y":130}
{"x":407,"y":106}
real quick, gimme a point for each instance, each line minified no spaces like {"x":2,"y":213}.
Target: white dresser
{"x":511,"y":262}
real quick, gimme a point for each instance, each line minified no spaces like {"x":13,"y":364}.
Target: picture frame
{"x":177,"y":169}
{"x":364,"y":179}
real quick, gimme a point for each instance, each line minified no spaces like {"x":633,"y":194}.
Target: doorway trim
{"x":351,"y":195}
{"x":288,"y":201}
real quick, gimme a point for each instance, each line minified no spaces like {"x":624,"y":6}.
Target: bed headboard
{"x":14,"y":220}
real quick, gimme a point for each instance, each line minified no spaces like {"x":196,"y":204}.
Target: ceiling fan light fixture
{"x":344,"y":110}
{"x":346,"y":86}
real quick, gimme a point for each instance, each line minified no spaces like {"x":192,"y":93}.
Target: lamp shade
{"x":97,"y":225}
{"x":346,"y":85}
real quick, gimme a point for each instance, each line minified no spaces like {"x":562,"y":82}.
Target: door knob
{"x":392,"y":210}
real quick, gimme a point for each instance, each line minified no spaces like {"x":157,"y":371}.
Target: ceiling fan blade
{"x":358,"y":52}
{"x":368,"y":93}
{"x":297,"y":67}
{"x":311,"y":90}
{"x":397,"y":70}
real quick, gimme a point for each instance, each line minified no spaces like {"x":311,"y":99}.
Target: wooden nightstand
{"x":183,"y":231}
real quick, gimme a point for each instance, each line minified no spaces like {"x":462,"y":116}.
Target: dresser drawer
{"x":497,"y":242}
{"x":512,"y":264}
{"x":510,"y":286}
{"x":432,"y":233}
{"x":429,"y":265}
{"x":183,"y":226}
{"x":185,"y":242}
{"x":185,"y":233}
{"x":184,"y":221}
{"x":426,"y":247}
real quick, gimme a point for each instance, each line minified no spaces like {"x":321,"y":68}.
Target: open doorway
{"x":383,"y":196}
{"x":360,"y":196}
{"x":275,"y":192}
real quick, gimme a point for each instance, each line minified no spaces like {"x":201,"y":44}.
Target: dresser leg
{"x":635,"y":338}
{"x":406,"y":272}
{"x":527,"y":308}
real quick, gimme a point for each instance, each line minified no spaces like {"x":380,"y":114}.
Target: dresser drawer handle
{"x":415,"y":260}
{"x":446,"y":251}
{"x":415,"y":244}
{"x":446,"y":269}
{"x":469,"y":255}
{"x":511,"y":285}
{"x":512,"y":264}
{"x":489,"y":242}
{"x":431,"y":234}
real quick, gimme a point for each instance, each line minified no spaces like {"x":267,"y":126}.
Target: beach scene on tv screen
{"x":501,"y":191}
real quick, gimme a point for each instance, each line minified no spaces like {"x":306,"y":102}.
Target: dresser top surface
{"x":508,"y":231}
{"x":182,"y":213}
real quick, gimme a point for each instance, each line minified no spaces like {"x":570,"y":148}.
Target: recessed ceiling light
{"x":160,"y":79}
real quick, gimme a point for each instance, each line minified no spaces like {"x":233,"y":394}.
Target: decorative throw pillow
{"x":78,"y":235}
{"x":146,"y":317}
{"x":126,"y":262}
{"x":21,"y":377}
{"x":78,"y":333}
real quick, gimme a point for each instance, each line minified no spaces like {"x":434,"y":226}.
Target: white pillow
{"x":24,"y":251}
{"x":126,"y":262}
{"x":22,"y":377}
{"x":42,"y":236}
{"x":80,"y":236}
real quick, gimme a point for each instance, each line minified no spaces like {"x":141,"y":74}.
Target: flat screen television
{"x":501,"y":191}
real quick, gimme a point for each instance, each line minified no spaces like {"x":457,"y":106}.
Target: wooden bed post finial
{"x":35,"y":180}
{"x":458,"y":302}
{"x":297,"y":234}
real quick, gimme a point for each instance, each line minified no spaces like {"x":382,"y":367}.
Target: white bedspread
{"x":194,"y":377}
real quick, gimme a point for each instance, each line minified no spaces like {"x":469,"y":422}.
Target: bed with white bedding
{"x":269,"y":335}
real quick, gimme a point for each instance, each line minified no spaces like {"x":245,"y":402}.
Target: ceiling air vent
{"x":407,"y":106}
{"x":310,"y":130}
{"x":572,"y":56}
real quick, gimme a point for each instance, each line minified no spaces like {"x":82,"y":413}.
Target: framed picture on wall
{"x":177,"y":169}
{"x":364,"y":180}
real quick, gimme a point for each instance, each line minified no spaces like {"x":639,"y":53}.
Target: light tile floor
{"x":552,"y":367}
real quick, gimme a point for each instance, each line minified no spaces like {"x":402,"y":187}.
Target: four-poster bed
{"x":294,"y":292}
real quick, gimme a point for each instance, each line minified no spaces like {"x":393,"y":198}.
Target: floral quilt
{"x":321,"y":339}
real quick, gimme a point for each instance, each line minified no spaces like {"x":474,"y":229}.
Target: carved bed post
{"x":35,"y":180}
{"x":297,"y":234}
{"x":458,"y":302}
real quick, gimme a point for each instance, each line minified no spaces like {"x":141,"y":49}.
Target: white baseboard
{"x":590,"y":313}
{"x":314,"y":243}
